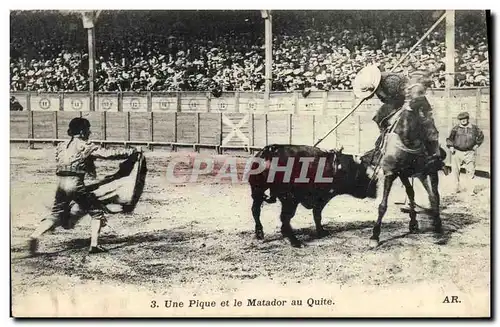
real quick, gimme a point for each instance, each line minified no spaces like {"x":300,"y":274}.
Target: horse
{"x":401,"y":153}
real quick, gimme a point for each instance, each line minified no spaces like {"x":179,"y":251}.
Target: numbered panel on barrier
{"x":463,"y":100}
{"x":45,"y":102}
{"x":76,"y":102}
{"x":164,"y":103}
{"x":193,"y":102}
{"x":339,"y":102}
{"x":311,"y":105}
{"x":226,"y":103}
{"x":252,"y":103}
{"x":283,"y":103}
{"x":135,"y":103}
{"x":106,"y":102}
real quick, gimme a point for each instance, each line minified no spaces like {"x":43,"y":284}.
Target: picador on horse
{"x":399,"y":93}
{"x":408,"y":145}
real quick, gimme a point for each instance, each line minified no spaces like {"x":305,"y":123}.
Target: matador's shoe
{"x":33,"y":245}
{"x":97,"y":249}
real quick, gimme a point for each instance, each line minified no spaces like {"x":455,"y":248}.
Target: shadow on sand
{"x":453,"y":220}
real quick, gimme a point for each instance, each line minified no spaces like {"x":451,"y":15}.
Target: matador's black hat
{"x":78,"y":125}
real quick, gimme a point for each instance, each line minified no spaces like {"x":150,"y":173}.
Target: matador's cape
{"x":118,"y":192}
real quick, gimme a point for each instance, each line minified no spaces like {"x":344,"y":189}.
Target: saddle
{"x":393,"y":155}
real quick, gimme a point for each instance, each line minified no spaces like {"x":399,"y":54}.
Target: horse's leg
{"x":258,"y":198}
{"x":411,"y":197}
{"x":288,"y":209}
{"x":382,"y":208}
{"x":434,"y":178}
{"x":433,"y":192}
{"x":427,"y":187}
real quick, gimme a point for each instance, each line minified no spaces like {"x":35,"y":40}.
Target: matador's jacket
{"x":75,"y":159}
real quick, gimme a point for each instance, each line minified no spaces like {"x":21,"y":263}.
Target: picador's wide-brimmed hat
{"x":366,"y":81}
{"x":463,"y":115}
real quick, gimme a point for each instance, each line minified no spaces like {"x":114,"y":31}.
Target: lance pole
{"x":393,"y":68}
{"x":341,"y":121}
{"x":429,"y":31}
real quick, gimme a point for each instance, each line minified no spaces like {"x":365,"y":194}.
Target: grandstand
{"x":202,"y":50}
{"x":196,"y":78}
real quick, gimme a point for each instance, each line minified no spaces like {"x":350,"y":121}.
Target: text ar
{"x":451,"y":299}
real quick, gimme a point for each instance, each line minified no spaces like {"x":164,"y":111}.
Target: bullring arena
{"x":195,"y":242}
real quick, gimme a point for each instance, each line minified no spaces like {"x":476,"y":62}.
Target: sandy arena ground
{"x":196,"y":241}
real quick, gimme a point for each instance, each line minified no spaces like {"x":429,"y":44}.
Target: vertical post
{"x":120,"y":102}
{"x":28,"y":101}
{"x":30,"y":125}
{"x":103,"y":125}
{"x":91,"y":42}
{"x":450,"y":119}
{"x":149,"y":99}
{"x":314,"y":128}
{"x":252,"y":128}
{"x":336,"y":131}
{"x":197,"y":127}
{"x":237,"y":101}
{"x":266,"y":14}
{"x":357,"y":134}
{"x":151,"y":138}
{"x":266,"y":130}
{"x":61,"y":101}
{"x":175,"y":127}
{"x":450,"y":48}
{"x":208,"y":101}
{"x":295,"y":102}
{"x":219,"y":149}
{"x":290,"y":117}
{"x":127,"y":125}
{"x":54,"y":125}
{"x":477,"y":113}
{"x":325,"y":103}
{"x":178,"y":95}
{"x":30,"y":128}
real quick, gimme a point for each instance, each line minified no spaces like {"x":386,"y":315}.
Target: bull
{"x":301,"y":174}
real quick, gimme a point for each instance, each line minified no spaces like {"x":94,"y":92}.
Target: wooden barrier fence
{"x":233,"y":121}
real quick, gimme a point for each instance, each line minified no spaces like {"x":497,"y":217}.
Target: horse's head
{"x":409,"y":128}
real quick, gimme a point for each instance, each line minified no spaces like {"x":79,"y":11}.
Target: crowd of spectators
{"x":199,"y":51}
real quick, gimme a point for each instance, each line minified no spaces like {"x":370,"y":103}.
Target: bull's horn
{"x":356,"y":158}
